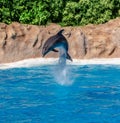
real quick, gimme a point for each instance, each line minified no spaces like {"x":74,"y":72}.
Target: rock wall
{"x":20,"y":41}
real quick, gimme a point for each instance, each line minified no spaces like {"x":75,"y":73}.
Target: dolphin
{"x":57,"y":41}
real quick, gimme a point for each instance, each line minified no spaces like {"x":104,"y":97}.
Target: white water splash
{"x":51,"y":61}
{"x":62,"y":75}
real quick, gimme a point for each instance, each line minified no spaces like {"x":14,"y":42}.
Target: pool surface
{"x":47,"y":94}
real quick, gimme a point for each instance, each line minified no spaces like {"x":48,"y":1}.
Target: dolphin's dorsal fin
{"x":60,"y":32}
{"x":69,"y":57}
{"x":54,"y":50}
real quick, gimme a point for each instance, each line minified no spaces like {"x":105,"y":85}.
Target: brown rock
{"x":10,"y":32}
{"x":19,"y":41}
{"x":2,"y":39}
{"x":76,"y":39}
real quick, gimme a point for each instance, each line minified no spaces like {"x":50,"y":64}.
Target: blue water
{"x":80,"y":94}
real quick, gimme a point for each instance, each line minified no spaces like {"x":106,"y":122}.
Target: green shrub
{"x":36,"y":14}
{"x":88,"y":11}
{"x":68,"y":12}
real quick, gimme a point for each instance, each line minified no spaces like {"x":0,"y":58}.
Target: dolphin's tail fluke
{"x":69,"y":57}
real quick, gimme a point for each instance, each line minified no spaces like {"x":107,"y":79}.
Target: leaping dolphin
{"x":57,"y":41}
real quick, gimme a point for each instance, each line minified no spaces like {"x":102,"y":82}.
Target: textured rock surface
{"x":19,"y":41}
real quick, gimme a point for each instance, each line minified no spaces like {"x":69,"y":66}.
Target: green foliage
{"x":68,"y":12}
{"x":90,"y":11}
{"x":36,"y":14}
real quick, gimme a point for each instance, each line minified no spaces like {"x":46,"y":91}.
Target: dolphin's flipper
{"x":69,"y":57}
{"x":54,"y":50}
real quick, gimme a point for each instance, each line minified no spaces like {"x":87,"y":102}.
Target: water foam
{"x":29,"y":63}
{"x":51,"y":61}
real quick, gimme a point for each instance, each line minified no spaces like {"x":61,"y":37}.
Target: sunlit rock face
{"x":20,"y":41}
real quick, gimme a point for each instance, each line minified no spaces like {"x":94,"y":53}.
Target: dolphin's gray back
{"x":56,"y":40}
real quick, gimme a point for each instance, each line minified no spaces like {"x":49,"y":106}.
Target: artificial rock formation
{"x":20,"y":41}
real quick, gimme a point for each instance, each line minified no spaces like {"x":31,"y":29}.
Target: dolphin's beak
{"x":43,"y":54}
